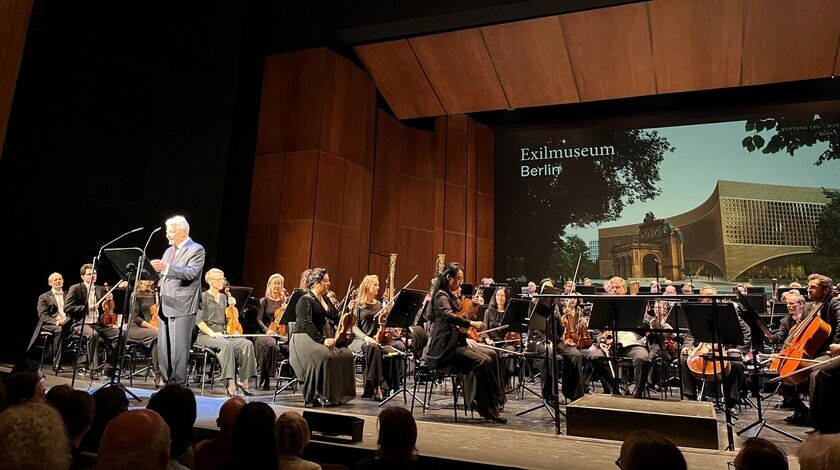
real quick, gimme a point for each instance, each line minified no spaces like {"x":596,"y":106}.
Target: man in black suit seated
{"x":52,"y":317}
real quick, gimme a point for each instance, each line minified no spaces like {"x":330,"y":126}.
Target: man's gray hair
{"x":180,"y":221}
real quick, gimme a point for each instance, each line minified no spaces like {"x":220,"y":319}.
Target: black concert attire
{"x":146,"y":336}
{"x":329,"y":373}
{"x":50,"y":312}
{"x":269,"y":351}
{"x":493,"y":319}
{"x":572,"y":363}
{"x":231,"y":351}
{"x":377,"y":371}
{"x":78,"y":304}
{"x":658,"y":350}
{"x":448,"y":350}
{"x":733,"y":383}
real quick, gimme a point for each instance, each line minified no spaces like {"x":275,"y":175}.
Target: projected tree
{"x":588,"y":191}
{"x":790,"y":133}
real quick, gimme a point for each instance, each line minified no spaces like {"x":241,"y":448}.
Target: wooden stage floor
{"x":525,"y":442}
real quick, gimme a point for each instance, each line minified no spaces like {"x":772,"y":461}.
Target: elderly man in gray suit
{"x":180,"y":287}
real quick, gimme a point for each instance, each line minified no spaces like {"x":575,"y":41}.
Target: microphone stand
{"x":129,"y":307}
{"x":90,"y":288}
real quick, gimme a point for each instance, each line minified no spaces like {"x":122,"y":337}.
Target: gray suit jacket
{"x":181,"y":287}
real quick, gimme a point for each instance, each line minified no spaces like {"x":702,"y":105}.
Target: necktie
{"x":174,"y":254}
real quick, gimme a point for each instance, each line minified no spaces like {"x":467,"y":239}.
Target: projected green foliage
{"x":792,"y":133}
{"x":564,"y":258}
{"x":589,"y":191}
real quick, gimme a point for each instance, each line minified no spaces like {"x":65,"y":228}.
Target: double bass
{"x":803,"y":342}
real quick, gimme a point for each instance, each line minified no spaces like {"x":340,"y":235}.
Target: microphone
{"x":150,"y":239}
{"x":114,"y":240}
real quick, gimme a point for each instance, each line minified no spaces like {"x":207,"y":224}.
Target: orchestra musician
{"x":567,"y":353}
{"x":83,"y":304}
{"x":53,"y":318}
{"x":493,"y":319}
{"x":824,"y":414}
{"x":661,"y":345}
{"x":211,"y":322}
{"x":269,"y":351}
{"x":734,"y":381}
{"x":795,"y":304}
{"x":142,"y":331}
{"x":325,"y":366}
{"x":632,"y":344}
{"x":449,"y":348}
{"x":380,"y":376}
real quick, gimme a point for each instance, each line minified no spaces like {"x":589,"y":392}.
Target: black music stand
{"x":614,"y":313}
{"x":515,"y":319}
{"x":401,"y":316}
{"x":716,"y":323}
{"x":125,"y":262}
{"x":758,"y":333}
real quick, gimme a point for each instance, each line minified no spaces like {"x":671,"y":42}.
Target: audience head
{"x":252,"y":442}
{"x":33,"y":437}
{"x":27,"y":366}
{"x":819,"y":452}
{"x":292,"y":434}
{"x":397,"y":435}
{"x":58,"y":393}
{"x":760,"y":454}
{"x":646,"y":449}
{"x":228,"y":413}
{"x":76,"y":410}
{"x":110,"y":403}
{"x":23,"y":387}
{"x":176,"y":405}
{"x":136,"y":439}
{"x":670,"y":290}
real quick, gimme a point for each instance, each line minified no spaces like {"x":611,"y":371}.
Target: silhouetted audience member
{"x":23,"y":387}
{"x":176,"y":405}
{"x":110,"y":403}
{"x":292,"y":435}
{"x":252,"y":442}
{"x":819,"y":452}
{"x":33,"y":437}
{"x":760,"y":454}
{"x":644,"y":450}
{"x":396,"y":446}
{"x":135,"y":440}
{"x":210,"y":452}
{"x":27,"y":366}
{"x":76,"y":410}
{"x":58,"y":393}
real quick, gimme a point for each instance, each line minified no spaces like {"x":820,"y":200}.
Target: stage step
{"x":687,"y":422}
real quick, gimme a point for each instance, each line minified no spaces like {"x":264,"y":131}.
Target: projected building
{"x":739,"y":226}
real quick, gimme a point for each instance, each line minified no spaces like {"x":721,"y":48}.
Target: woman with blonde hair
{"x":291,"y":437}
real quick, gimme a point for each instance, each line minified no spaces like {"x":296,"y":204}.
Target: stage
{"x":525,"y":442}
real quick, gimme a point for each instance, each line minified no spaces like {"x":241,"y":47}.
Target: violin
{"x":154,"y":319}
{"x":468,"y":310}
{"x":109,"y":318}
{"x":232,"y":318}
{"x":344,"y":331}
{"x":275,"y":324}
{"x":575,"y":329}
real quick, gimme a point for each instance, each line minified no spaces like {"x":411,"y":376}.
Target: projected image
{"x":732,"y":201}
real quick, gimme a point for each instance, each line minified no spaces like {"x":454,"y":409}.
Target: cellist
{"x":824,"y":415}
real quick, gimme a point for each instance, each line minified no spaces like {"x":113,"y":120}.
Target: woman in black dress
{"x":449,"y":348}
{"x":326,"y":368}
{"x":268,"y":350}
{"x":493,"y":319}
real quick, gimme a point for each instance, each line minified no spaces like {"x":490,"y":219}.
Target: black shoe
{"x":796,"y":420}
{"x":58,"y":370}
{"x":247,"y":392}
{"x":787,"y":404}
{"x":496,"y":417}
{"x":812,"y":431}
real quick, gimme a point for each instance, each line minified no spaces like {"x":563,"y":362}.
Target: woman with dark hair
{"x":176,"y":405}
{"x":110,"y":402}
{"x":397,"y":443}
{"x":326,"y":367}
{"x":252,"y":440}
{"x":449,"y":348}
{"x":493,"y":319}
{"x":644,"y":450}
{"x":760,"y":454}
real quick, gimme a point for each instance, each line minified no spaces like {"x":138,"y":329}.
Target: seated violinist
{"x":324,"y":364}
{"x":268,"y":349}
{"x":824,"y":381}
{"x":144,"y":330}
{"x":733,"y":381}
{"x":371,"y":341}
{"x":661,"y":345}
{"x":213,"y":328}
{"x":568,"y":325}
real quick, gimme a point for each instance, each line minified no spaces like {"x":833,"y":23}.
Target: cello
{"x":802,"y":344}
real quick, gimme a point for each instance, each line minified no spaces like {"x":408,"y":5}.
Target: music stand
{"x":758,"y":332}
{"x":402,"y":314}
{"x":585,"y":290}
{"x":126,"y":262}
{"x":515,"y":318}
{"x":614,"y":313}
{"x":716,"y":323}
{"x":803,"y":291}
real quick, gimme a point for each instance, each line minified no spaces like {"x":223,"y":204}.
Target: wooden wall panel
{"x":414,"y":250}
{"x":697,"y":43}
{"x":386,"y":209}
{"x":455,"y":217}
{"x":400,"y":78}
{"x":486,"y":158}
{"x":457,"y":146}
{"x":486,"y":217}
{"x":460,"y":70}
{"x":348,"y":261}
{"x":329,"y":198}
{"x":389,"y":138}
{"x":326,"y":248}
{"x":349,"y":111}
{"x":260,"y":253}
{"x":266,"y":188}
{"x":417,"y":208}
{"x":808,"y":51}
{"x":352,"y":213}
{"x":836,"y":65}
{"x":294,"y":246}
{"x":292,"y":102}
{"x":532,"y":62}
{"x":299,"y":183}
{"x":484,"y":261}
{"x":454,"y":245}
{"x":14,"y":22}
{"x":418,"y":153}
{"x":609,"y":43}
{"x":365,"y":224}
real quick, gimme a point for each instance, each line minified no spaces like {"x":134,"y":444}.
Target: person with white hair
{"x":180,"y":288}
{"x":33,"y":437}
